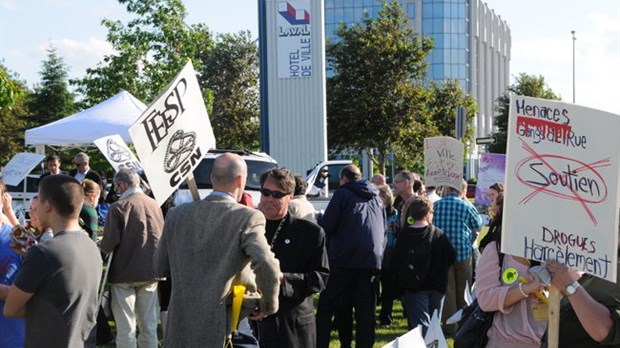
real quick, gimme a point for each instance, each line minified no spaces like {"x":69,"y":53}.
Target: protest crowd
{"x":219,"y":272}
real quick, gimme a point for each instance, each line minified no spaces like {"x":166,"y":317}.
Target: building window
{"x":411,"y":10}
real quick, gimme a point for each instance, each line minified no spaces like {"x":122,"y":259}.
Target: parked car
{"x":257,"y":163}
{"x":323,"y":179}
{"x":20,"y":198}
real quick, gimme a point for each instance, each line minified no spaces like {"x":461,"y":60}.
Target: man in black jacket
{"x":299,"y":245}
{"x":354,"y":225}
{"x":82,"y":170}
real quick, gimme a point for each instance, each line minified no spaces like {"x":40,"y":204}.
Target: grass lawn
{"x":382,"y":335}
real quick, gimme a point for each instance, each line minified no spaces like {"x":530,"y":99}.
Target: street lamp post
{"x":574,"y":39}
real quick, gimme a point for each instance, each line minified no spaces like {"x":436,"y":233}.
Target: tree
{"x":446,"y":97}
{"x":376,"y":98}
{"x":9,"y":89}
{"x":150,"y":50}
{"x":12,"y":115}
{"x":525,"y":85}
{"x":231,"y":74}
{"x":51,"y":99}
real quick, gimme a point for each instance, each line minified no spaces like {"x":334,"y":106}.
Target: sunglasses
{"x":276,"y":194}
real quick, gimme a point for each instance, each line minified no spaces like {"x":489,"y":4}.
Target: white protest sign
{"x":19,"y":166}
{"x":412,"y":338}
{"x":174,"y":133}
{"x":434,"y":335}
{"x":561,"y":198}
{"x":118,"y":154}
{"x":294,"y":43}
{"x":443,"y":161}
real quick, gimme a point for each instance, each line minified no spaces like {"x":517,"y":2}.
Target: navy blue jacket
{"x":354,"y":223}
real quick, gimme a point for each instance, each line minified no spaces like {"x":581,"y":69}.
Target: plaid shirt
{"x":458,"y":219}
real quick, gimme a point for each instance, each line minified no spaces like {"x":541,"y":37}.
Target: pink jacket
{"x":513,"y":326}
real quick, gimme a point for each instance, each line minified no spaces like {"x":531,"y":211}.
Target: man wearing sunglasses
{"x":82,"y":169}
{"x":354,"y":225}
{"x":299,"y":245}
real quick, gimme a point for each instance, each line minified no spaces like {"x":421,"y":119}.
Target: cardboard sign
{"x":173,"y":134}
{"x":561,"y":197}
{"x":491,"y":170}
{"x":294,"y":41}
{"x":19,"y":166}
{"x":118,"y":154}
{"x":443,"y":160}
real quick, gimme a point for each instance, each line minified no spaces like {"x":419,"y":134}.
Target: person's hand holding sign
{"x":593,"y":316}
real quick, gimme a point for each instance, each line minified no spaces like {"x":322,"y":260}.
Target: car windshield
{"x":202,"y":174}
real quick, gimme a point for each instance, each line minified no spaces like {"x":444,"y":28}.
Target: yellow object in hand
{"x":237,"y":301}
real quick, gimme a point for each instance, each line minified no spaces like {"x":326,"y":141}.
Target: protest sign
{"x":19,"y":166}
{"x":174,"y":133}
{"x":412,"y":338}
{"x":491,"y":170}
{"x":561,"y":197}
{"x":443,"y":160}
{"x":117,"y":153}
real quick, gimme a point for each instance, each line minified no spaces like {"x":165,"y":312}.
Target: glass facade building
{"x":472,"y":44}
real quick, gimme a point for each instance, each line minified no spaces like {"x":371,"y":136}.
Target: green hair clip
{"x":410,"y":220}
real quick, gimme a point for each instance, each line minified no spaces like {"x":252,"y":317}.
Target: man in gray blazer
{"x":204,"y":247}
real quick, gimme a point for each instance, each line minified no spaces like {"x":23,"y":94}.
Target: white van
{"x":257,"y":163}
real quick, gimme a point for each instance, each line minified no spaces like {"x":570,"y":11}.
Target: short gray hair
{"x":127,"y":175}
{"x":82,"y":156}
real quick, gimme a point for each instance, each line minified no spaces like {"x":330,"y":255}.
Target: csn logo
{"x":180,"y":155}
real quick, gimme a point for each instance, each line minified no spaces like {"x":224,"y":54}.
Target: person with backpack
{"x":504,"y":285}
{"x":421,"y":260}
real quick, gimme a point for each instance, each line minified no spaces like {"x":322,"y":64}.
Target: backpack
{"x":474,"y":324}
{"x":415,"y":254}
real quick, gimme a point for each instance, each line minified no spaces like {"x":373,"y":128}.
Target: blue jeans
{"x":419,"y":307}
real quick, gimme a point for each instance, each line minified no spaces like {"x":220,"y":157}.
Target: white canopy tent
{"x":113,"y":116}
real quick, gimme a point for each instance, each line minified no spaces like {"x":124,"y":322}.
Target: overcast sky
{"x":541,"y":38}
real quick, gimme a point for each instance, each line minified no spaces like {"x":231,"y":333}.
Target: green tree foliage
{"x":12,"y":115}
{"x":525,"y":85}
{"x":231,"y":74}
{"x":51,"y":99}
{"x":376,"y":98}
{"x":9,"y":89}
{"x":446,"y":97}
{"x":150,"y":50}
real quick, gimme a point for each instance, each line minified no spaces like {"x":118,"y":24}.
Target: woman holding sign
{"x":505,"y":286}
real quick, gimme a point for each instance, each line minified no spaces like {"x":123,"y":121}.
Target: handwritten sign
{"x":491,"y":170}
{"x":443,"y":159}
{"x":173,"y":134}
{"x":117,"y":152}
{"x":561,"y":198}
{"x":19,"y":166}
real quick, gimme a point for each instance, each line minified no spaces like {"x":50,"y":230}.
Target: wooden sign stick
{"x":193,"y":188}
{"x":553,"y":329}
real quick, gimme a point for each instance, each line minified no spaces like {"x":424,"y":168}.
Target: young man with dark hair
{"x":56,"y":289}
{"x":52,"y":162}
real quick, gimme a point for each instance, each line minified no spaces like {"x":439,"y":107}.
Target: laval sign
{"x":294,"y":42}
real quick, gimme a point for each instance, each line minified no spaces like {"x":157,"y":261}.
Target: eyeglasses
{"x":276,"y":194}
{"x":77,"y":164}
